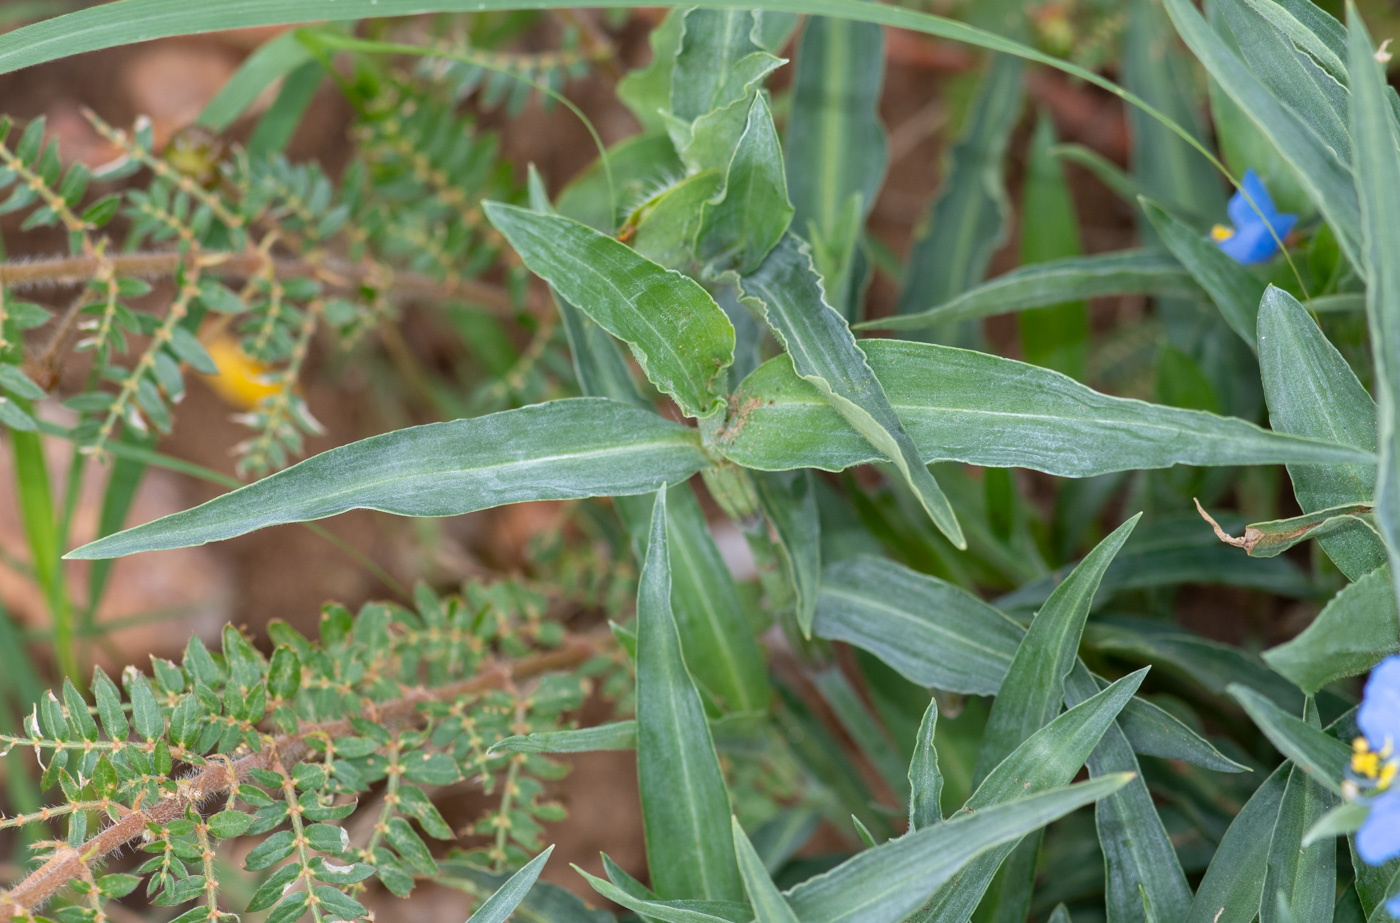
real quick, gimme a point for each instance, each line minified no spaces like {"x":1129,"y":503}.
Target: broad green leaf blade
{"x":502,"y":904}
{"x":789,"y":500}
{"x":934,"y":633}
{"x":887,"y":883}
{"x":1234,"y":883}
{"x":787,"y":290}
{"x":1154,"y":731}
{"x":670,"y":225}
{"x":1034,"y":689}
{"x":925,"y":778}
{"x":1356,"y":630}
{"x":1301,"y":879}
{"x":961,"y":405}
{"x":690,"y":853}
{"x":1312,"y":391}
{"x":583,"y":447}
{"x":836,"y":147}
{"x":1326,"y":178}
{"x":679,"y":335}
{"x":769,"y":905}
{"x":1055,"y":336}
{"x":1234,"y":289}
{"x":1321,"y":756}
{"x":714,"y":64}
{"x":1146,"y":272}
{"x":1047,"y":759}
{"x":1373,"y":128}
{"x":967,"y":221}
{"x":1343,"y":820}
{"x":740,"y":225}
{"x":1141,"y":865}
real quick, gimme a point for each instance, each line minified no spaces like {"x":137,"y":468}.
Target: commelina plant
{"x":931,"y":650}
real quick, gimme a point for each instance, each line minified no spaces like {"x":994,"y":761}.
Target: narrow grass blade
{"x":502,"y":904}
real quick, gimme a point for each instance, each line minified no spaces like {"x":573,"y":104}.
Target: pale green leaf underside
{"x":584,"y":447}
{"x":961,"y":405}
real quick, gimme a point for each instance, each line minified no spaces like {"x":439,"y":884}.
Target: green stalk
{"x":41,"y":531}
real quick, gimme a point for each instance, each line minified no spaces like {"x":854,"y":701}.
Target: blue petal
{"x":1242,"y":213}
{"x":1379,"y":715}
{"x":1251,"y":244}
{"x":1378,"y":840}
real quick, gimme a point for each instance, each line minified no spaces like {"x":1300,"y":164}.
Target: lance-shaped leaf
{"x":673,"y":911}
{"x":769,"y":905}
{"x":787,"y":290}
{"x":925,"y":778}
{"x":961,"y":405}
{"x":1312,"y":391}
{"x":681,"y":338}
{"x":684,"y":802}
{"x":1141,"y":866}
{"x":1317,"y":753}
{"x":1145,"y":272}
{"x":886,"y":883}
{"x":1357,"y":629}
{"x":1231,"y":890}
{"x":1270,"y":539}
{"x":583,"y":447}
{"x":1234,"y":289}
{"x":1046,"y":759}
{"x":941,"y":636}
{"x":1034,"y":689}
{"x":968,"y":219}
{"x":740,"y":225}
{"x":1300,"y":882}
{"x":502,"y":904}
{"x":742,"y":731}
{"x":1373,"y":129}
{"x":667,"y":233}
{"x":836,"y":147}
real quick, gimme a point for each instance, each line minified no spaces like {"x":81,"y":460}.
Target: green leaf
{"x":679,"y":335}
{"x":925,"y":778}
{"x":1356,"y":630}
{"x":1048,"y":759}
{"x":646,"y":91}
{"x":788,"y":292}
{"x":229,"y":823}
{"x":583,"y":447}
{"x":1232,"y":887}
{"x":1146,"y":272}
{"x":1055,"y":336}
{"x":677,"y":911}
{"x":667,"y":232}
{"x":1323,"y":757}
{"x":1142,"y":869}
{"x":789,"y":500}
{"x":1312,"y":391}
{"x":967,"y":221}
{"x":273,"y":59}
{"x":1324,"y":176}
{"x":740,"y":225}
{"x":715,"y":62}
{"x":109,"y":705}
{"x":836,"y":147}
{"x":17,"y":383}
{"x":684,"y":800}
{"x":769,"y":906}
{"x":887,"y":883}
{"x":1234,"y":289}
{"x":1343,"y":820}
{"x":145,"y":710}
{"x":502,"y":904}
{"x":1270,"y":539}
{"x":1034,"y":688}
{"x":284,"y":673}
{"x":743,"y":730}
{"x":961,"y":405}
{"x":1300,"y":881}
{"x":1373,"y":128}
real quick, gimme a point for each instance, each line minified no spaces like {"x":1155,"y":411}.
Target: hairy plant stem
{"x":69,"y":864}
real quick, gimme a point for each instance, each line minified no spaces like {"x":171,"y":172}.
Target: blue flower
{"x":1375,"y":766}
{"x":1250,"y":240}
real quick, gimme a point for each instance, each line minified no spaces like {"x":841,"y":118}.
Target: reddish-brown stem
{"x":216,"y":778}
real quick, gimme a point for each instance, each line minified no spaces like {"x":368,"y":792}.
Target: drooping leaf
{"x":821,"y":349}
{"x":502,"y":904}
{"x":679,"y":335}
{"x":684,"y":801}
{"x":960,"y":405}
{"x":584,"y":447}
